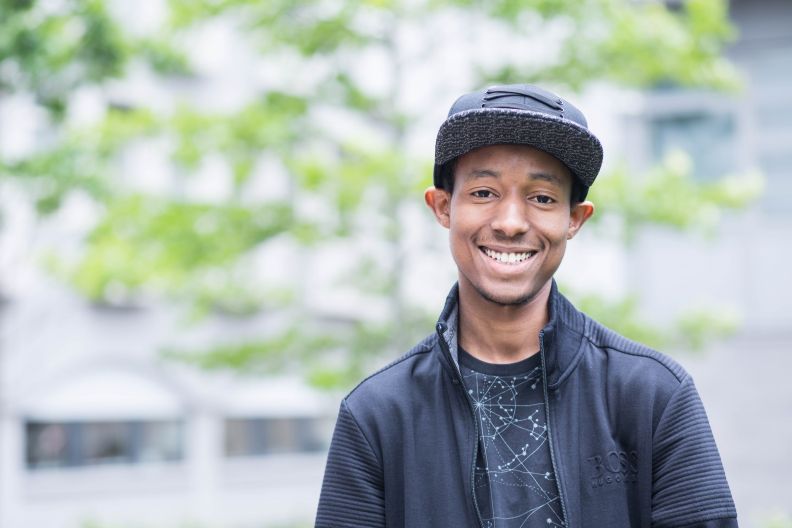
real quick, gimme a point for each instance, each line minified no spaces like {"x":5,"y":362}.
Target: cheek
{"x":555,"y":229}
{"x":462,"y":240}
{"x":462,"y":224}
{"x":458,"y":236}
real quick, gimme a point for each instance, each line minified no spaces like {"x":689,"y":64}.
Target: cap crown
{"x":520,"y":114}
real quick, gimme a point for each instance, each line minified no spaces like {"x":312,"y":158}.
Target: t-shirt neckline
{"x":519,"y":368}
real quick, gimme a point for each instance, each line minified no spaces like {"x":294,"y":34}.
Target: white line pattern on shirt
{"x":510,"y":412}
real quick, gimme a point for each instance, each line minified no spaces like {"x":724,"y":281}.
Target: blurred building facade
{"x":95,"y":428}
{"x":751,"y":130}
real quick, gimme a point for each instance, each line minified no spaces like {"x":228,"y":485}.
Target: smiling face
{"x":509,"y":219}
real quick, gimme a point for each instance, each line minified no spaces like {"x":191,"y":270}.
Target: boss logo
{"x":614,"y":467}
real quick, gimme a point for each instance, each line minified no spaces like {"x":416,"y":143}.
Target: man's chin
{"x":506,"y":298}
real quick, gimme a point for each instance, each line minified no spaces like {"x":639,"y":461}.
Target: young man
{"x":521,"y":411}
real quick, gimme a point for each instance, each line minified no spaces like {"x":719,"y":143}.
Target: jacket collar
{"x":560,"y":339}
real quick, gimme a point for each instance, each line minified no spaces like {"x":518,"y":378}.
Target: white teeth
{"x":507,"y":258}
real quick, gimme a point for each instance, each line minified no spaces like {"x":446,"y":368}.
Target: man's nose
{"x":511,"y":218}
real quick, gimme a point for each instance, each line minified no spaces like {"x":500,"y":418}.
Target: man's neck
{"x":501,"y":334}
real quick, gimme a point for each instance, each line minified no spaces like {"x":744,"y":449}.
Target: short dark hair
{"x":579,"y":190}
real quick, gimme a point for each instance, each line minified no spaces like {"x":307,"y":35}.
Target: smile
{"x":508,"y":258}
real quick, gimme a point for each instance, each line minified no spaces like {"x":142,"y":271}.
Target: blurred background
{"x":212,"y":226}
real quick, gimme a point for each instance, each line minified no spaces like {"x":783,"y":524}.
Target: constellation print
{"x":514,"y":480}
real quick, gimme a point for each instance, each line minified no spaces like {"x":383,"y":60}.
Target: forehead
{"x":497,"y":160}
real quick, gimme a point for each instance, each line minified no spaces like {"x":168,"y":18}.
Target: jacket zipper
{"x":461,"y":383}
{"x":549,"y":429}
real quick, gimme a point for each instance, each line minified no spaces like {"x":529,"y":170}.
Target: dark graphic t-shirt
{"x":514,"y":482}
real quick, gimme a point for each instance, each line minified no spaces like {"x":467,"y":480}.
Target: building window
{"x":707,"y":137}
{"x":76,"y":444}
{"x":264,"y":436}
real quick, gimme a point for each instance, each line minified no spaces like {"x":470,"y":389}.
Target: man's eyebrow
{"x":546,"y":176}
{"x":489,"y":173}
{"x":482,"y":173}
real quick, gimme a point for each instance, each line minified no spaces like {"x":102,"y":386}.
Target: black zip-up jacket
{"x":629,"y":439}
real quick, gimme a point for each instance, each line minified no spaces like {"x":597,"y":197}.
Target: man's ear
{"x":578,"y":215}
{"x":439,"y":201}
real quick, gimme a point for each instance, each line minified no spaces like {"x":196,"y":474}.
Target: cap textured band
{"x":571,"y":143}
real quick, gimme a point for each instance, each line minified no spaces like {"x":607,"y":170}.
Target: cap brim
{"x":570,"y":143}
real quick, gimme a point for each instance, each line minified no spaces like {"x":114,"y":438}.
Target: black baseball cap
{"x":519,"y":114}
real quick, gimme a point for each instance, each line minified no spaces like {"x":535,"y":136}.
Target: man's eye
{"x":543,"y":199}
{"x":482,"y":193}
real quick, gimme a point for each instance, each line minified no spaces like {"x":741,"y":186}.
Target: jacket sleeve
{"x":689,"y":484}
{"x":352,"y":491}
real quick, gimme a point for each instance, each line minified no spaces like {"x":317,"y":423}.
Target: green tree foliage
{"x":49,"y":53}
{"x":170,"y":245}
{"x":778,"y":521}
{"x":670,"y":196}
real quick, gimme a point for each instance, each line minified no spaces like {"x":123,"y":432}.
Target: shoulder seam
{"x":362,"y":433}
{"x":679,"y":373}
{"x":421,"y":348}
{"x":673,"y":395}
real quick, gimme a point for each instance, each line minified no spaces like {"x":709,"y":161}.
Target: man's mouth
{"x":506,"y":257}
